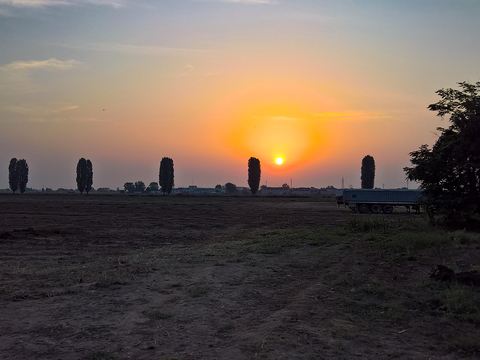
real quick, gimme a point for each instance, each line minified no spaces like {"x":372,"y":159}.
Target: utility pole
{"x":291,"y":183}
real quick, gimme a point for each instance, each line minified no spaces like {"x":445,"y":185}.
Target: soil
{"x":153,"y":277}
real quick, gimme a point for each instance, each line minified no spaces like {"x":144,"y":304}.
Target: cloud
{"x":351,"y":115}
{"x":132,"y":49}
{"x":50,"y":65}
{"x":41,"y":110}
{"x":250,"y":1}
{"x":11,"y":8}
{"x":16,"y":75}
{"x":43,"y":3}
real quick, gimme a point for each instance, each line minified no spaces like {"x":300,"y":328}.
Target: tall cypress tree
{"x":368,"y":172}
{"x":13,"y":175}
{"x":81,"y":174}
{"x":166,"y":175}
{"x":254,"y":173}
{"x":89,"y":177}
{"x":22,"y":171}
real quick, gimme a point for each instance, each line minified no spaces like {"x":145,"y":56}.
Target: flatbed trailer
{"x":379,"y":200}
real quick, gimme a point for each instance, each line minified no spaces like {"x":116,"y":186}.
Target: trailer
{"x":379,"y":200}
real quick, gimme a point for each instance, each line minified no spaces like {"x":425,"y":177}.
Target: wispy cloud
{"x":132,"y":49}
{"x":351,"y":115}
{"x":41,"y":110}
{"x":16,"y":75}
{"x":250,"y":1}
{"x":43,"y":3}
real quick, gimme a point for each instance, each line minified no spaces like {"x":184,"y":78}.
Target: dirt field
{"x":153,"y":277}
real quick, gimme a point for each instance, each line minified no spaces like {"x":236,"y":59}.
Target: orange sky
{"x":211,"y":83}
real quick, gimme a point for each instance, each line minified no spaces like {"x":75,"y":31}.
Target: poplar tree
{"x":13,"y":175}
{"x":81,"y":174}
{"x":254,"y":173}
{"x":89,"y":178}
{"x":22,"y":171}
{"x":368,"y":172}
{"x":166,"y":175}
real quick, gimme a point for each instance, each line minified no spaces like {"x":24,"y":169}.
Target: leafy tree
{"x":254,"y":173}
{"x":139,"y":186}
{"x":230,"y":188}
{"x":368,"y":172}
{"x":285,"y":186}
{"x":153,"y":186}
{"x":219,"y":187}
{"x":449,"y":173}
{"x":81,"y":174}
{"x":22,"y":171}
{"x":13,"y":175}
{"x":166,"y":175}
{"x":84,"y":175}
{"x":89,"y":176}
{"x":129,"y":187}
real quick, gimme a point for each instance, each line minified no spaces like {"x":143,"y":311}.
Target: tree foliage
{"x":230,"y":188}
{"x":139,"y":186}
{"x":81,"y":174}
{"x":22,"y":170}
{"x":89,"y":177}
{"x":84,"y":175}
{"x":449,"y":172}
{"x":368,"y":172}
{"x":13,"y":175}
{"x":18,"y":175}
{"x":166,"y":175}
{"x":129,"y":187}
{"x":254,"y":173}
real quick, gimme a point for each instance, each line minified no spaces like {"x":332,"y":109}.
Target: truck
{"x":379,"y":200}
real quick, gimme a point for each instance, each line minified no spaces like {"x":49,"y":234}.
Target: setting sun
{"x":279,"y":161}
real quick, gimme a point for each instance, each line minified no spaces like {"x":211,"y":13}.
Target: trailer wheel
{"x":363,"y":209}
{"x":376,"y":209}
{"x":388,"y":209}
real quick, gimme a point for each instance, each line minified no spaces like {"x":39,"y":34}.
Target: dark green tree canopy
{"x":166,"y":175}
{"x":139,"y":186}
{"x":89,"y":177}
{"x":449,"y":172}
{"x":129,"y":187}
{"x":254,"y":173}
{"x":153,"y":186}
{"x":368,"y":172}
{"x":230,"y":188}
{"x":22,"y":170}
{"x":84,"y":175}
{"x":81,"y":174}
{"x":13,"y":175}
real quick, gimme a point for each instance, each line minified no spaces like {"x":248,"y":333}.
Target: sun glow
{"x":279,"y":161}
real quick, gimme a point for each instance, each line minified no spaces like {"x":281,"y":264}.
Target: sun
{"x":279,"y":161}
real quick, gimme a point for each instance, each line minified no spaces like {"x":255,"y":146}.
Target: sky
{"x":211,"y":83}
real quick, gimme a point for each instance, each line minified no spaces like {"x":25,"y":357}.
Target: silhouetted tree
{"x":218,"y":187}
{"x":13,"y":175}
{"x":89,"y":177}
{"x":139,"y":186}
{"x":22,"y":170}
{"x":84,"y":175}
{"x":81,"y":174}
{"x":166,"y":175}
{"x":449,"y":173}
{"x":254,"y":173}
{"x":368,"y":172}
{"x":230,"y":188}
{"x":153,"y":186}
{"x":129,"y":187}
